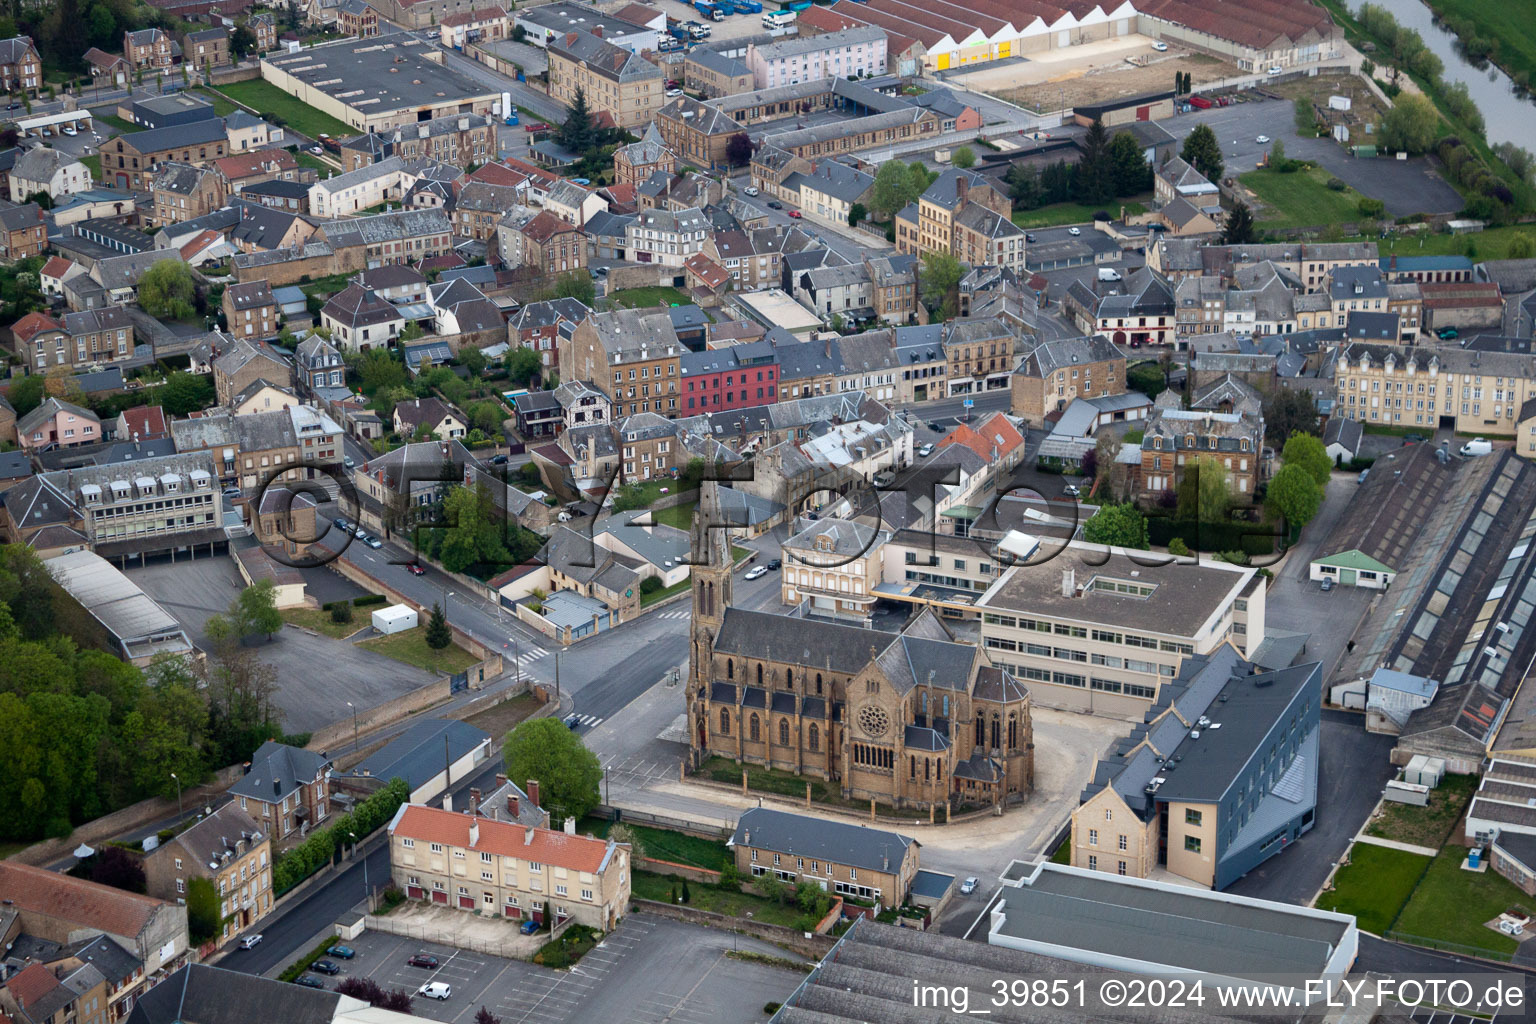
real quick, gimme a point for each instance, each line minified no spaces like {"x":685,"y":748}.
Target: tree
{"x":574,"y":284}
{"x":1239,"y":225}
{"x":738,"y":150}
{"x":1306,"y":451}
{"x":439,"y":635}
{"x":1121,"y":526}
{"x":1129,"y":170}
{"x":623,"y":834}
{"x":964,"y":158}
{"x":1202,"y":152}
{"x":203,"y":918}
{"x":1277,"y":158}
{"x":120,"y":869}
{"x":770,"y":888}
{"x":1095,"y":172}
{"x":1520,"y":248}
{"x":893,"y":190}
{"x":28,"y":393}
{"x":577,"y":134}
{"x":185,"y":392}
{"x":1287,"y":411}
{"x":1293,"y":495}
{"x":473,"y":360}
{"x":43,"y":200}
{"x":939,"y":279}
{"x":523,"y":364}
{"x":1215,"y":493}
{"x":856,"y":213}
{"x":485,"y":1016}
{"x":168,"y":291}
{"x":255,"y":611}
{"x":567,"y":772}
{"x":241,"y":42}
{"x":1410,"y":125}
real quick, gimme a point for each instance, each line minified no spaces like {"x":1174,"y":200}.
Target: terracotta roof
{"x":620,"y":195}
{"x":469,"y":17}
{"x":546,"y":226}
{"x":985,"y":435}
{"x":707,"y":270}
{"x":199,"y":242}
{"x":32,"y":984}
{"x":502,"y":838}
{"x":495,"y":173}
{"x":76,"y":900}
{"x":28,"y":326}
{"x":145,"y":421}
{"x":57,"y":266}
{"x":243,"y":165}
{"x":826,"y":20}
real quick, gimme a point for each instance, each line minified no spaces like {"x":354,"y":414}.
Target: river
{"x":1509,"y":118}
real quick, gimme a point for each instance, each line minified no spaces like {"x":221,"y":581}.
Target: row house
{"x":543,"y":241}
{"x":1139,"y":311}
{"x":84,"y":338}
{"x":631,"y":355}
{"x":735,"y":377}
{"x":614,"y":80}
{"x":238,"y":364}
{"x":665,"y":237}
{"x":405,"y":236}
{"x":1311,"y":263}
{"x":480,"y":207}
{"x":131,"y":161}
{"x":23,"y":234}
{"x":229,"y":849}
{"x":966,"y":216}
{"x":979,"y":354}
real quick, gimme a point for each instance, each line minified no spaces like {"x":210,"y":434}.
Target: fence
{"x":1448,"y":947}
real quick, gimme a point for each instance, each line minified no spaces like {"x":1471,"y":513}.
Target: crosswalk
{"x":676,"y":613}
{"x":526,"y":652}
{"x":590,"y":721}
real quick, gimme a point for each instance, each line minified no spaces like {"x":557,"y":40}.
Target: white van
{"x":1476,"y":446}
{"x":1107,"y":274}
{"x":435,"y":990}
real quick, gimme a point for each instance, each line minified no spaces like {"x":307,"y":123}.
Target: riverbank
{"x":1503,"y":34}
{"x":1525,"y":195}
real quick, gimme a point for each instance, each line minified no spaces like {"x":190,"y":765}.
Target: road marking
{"x":588,"y":720}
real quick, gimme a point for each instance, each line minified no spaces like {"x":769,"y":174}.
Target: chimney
{"x":528,"y":836}
{"x":597,"y":30}
{"x":962,"y":187}
{"x":513,"y":804}
{"x":532,"y":789}
{"x":474,"y":801}
{"x":501,"y":779}
{"x":570,"y":826}
{"x":277,"y":788}
{"x":1068,"y":583}
{"x":447,"y":801}
{"x":474,"y":832}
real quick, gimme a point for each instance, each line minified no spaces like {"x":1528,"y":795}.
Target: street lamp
{"x":354,"y":726}
{"x":367,"y":892}
{"x":178,"y":798}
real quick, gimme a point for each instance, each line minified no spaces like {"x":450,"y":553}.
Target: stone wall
{"x":419,"y":699}
{"x":813,"y":947}
{"x":640,"y":275}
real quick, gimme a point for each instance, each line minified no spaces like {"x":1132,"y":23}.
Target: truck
{"x":1201,"y":102}
{"x":708,"y":10}
{"x":727,"y":7}
{"x":697,"y":30}
{"x":677,"y":30}
{"x":749,"y":6}
{"x":778,"y":19}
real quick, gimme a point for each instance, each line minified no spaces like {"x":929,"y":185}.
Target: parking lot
{"x":647,"y":971}
{"x":735,"y":26}
{"x":1405,"y":186}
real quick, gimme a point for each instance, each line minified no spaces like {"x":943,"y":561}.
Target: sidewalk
{"x":1393,"y":844}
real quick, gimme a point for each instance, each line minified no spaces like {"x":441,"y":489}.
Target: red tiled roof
{"x":707,"y":270}
{"x":28,"y":326}
{"x":546,"y":226}
{"x":32,"y":984}
{"x":75,"y":900}
{"x":984,"y":436}
{"x":198,"y":242}
{"x":636,"y":14}
{"x":470,"y":17}
{"x":495,"y":173}
{"x":243,"y":165}
{"x":619,"y":195}
{"x":446,"y":261}
{"x":502,"y":838}
{"x":145,"y":421}
{"x":826,"y":19}
{"x":56,"y":267}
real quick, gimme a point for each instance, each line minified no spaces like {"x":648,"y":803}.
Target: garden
{"x":276,"y":105}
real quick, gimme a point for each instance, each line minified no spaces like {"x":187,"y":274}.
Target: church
{"x":910,"y":719}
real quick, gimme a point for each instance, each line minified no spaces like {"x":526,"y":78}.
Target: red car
{"x":415,"y":570}
{"x":794,"y":214}
{"x":423,"y":960}
{"x":537,"y":126}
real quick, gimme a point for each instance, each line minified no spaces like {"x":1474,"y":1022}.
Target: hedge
{"x":319,"y":849}
{"x":299,"y":966}
{"x":1250,"y":538}
{"x":369,"y":599}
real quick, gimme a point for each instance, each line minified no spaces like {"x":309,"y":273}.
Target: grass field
{"x":647,"y":886}
{"x":126,"y":127}
{"x":223,"y":106}
{"x":1374,"y":886}
{"x":646,"y":600}
{"x":1299,"y":200}
{"x":320,"y":621}
{"x":1075,"y":213}
{"x":1430,"y":825}
{"x":679,"y":516}
{"x":93,"y":164}
{"x":665,"y":844}
{"x":411,"y":648}
{"x":301,"y":117}
{"x":659,"y":295}
{"x":314,"y":163}
{"x":1492,"y":244}
{"x":1513,"y":26}
{"x":1452,"y":905}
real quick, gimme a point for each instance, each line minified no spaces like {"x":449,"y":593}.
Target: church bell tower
{"x":710,"y":552}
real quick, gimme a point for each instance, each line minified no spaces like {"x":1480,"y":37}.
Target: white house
{"x":357,"y":190}
{"x":43,"y":169}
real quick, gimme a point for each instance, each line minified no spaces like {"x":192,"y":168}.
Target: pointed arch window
{"x":759,"y":674}
{"x":783,"y":732}
{"x":754,"y":729}
{"x":813,"y":740}
{"x":725,"y":722}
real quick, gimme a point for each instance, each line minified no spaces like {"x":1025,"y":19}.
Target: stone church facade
{"x":909,"y":719}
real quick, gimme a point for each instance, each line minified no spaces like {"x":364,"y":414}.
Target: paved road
{"x":523,"y":94}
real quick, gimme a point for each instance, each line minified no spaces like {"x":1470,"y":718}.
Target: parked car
{"x":1160,"y":46}
{"x":774,"y":204}
{"x":1028,"y":237}
{"x":341,"y":952}
{"x":775,"y":563}
{"x":435,"y":990}
{"x":926,"y":450}
{"x":415,"y":569}
{"x":1363,"y":473}
{"x":1327,"y":584}
{"x":1262,"y":139}
{"x":423,"y":960}
{"x":757,"y":572}
{"x":251,"y":941}
{"x":969,"y":885}
{"x":1446,"y":333}
{"x":325,"y":967}
{"x":528,"y":927}
{"x":1476,"y":446}
{"x":752,"y":190}
{"x":794,"y":214}
{"x":348,"y":461}
{"x":370,"y":540}
{"x":673,"y":94}
{"x":1276,"y":70}
{"x":309,"y":981}
{"x":1071,"y":490}
{"x":1074,"y":232}
{"x":231,"y":492}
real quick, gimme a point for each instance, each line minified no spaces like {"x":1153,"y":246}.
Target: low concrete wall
{"x":125,"y":819}
{"x":704,"y":876}
{"x":247,"y":73}
{"x":419,"y":699}
{"x":813,"y":947}
{"x":640,"y":275}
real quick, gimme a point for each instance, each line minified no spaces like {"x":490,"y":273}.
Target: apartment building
{"x":1244,"y":743}
{"x":458,"y":141}
{"x":150,"y":49}
{"x":979,"y":354}
{"x":229,"y":849}
{"x":1174,"y":439}
{"x":1467,"y":390}
{"x":286,"y":790}
{"x":185,"y":192}
{"x":250,"y":310}
{"x":834,"y":565}
{"x":625,"y":85}
{"x":709,"y":73}
{"x":666,"y":237}
{"x":631,"y":355}
{"x":356,"y":18}
{"x":131,"y":161}
{"x":1053,"y":373}
{"x":21,"y":69}
{"x":1094,"y":630}
{"x":22,"y":231}
{"x":963,"y":214}
{"x":696,"y":133}
{"x":75,"y":339}
{"x":837,"y":856}
{"x":508,"y":869}
{"x":847,"y":53}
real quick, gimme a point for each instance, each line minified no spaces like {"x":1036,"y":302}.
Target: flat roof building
{"x":378,"y":82}
{"x":139,"y":627}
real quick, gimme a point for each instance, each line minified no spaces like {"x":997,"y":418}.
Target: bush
{"x":369,"y":599}
{"x":301,"y":965}
{"x":341,"y":613}
{"x":651,"y":584}
{"x":1178,"y":548}
{"x":1360,"y":462}
{"x":1338,"y":184}
{"x":771,"y":1008}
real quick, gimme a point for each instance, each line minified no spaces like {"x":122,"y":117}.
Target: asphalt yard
{"x":647,"y":971}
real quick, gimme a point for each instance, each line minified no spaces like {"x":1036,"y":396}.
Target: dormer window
{"x":1243,"y":444}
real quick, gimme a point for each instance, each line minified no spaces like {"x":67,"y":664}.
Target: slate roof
{"x":837,"y":842}
{"x":417,"y":754}
{"x":200,"y":994}
{"x":290,"y":767}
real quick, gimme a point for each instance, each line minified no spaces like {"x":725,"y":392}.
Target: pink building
{"x":851,"y":52}
{"x":57,"y":424}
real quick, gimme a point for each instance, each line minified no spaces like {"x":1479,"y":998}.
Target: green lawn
{"x":93,"y":164}
{"x":659,"y":295}
{"x":647,"y":886}
{"x":646,"y":600}
{"x":641,"y":494}
{"x":1429,"y":825}
{"x":1481,"y":245}
{"x":665,"y":844}
{"x":1374,"y":886}
{"x":1512,"y":26}
{"x":411,"y":648}
{"x":269,"y":99}
{"x":1302,"y":199}
{"x":314,"y":163}
{"x":1451,"y":905}
{"x":772,"y":780}
{"x":680,"y":516}
{"x":1063,"y":854}
{"x":1076,"y":213}
{"x":126,"y":127}
{"x":320,"y":621}
{"x":222,"y":106}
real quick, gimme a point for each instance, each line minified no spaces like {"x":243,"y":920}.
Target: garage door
{"x":512,"y":911}
{"x":439,"y":897}
{"x":413,"y":891}
{"x":943,"y":62}
{"x":1347,"y":577}
{"x":466,"y":903}
{"x":1004,"y":49}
